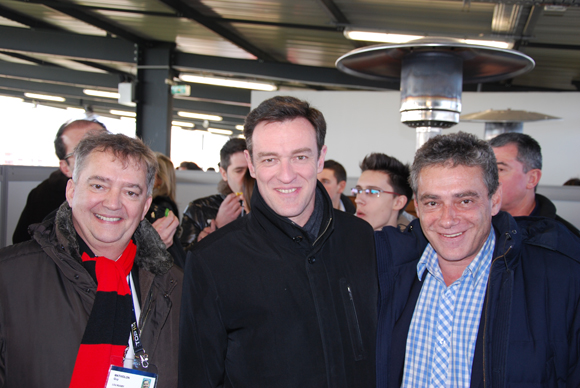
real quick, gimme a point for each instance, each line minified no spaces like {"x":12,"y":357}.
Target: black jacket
{"x":46,"y":296}
{"x":42,"y":200}
{"x":196,"y":216}
{"x":545,"y":208}
{"x":265,"y":308}
{"x":529,"y":330}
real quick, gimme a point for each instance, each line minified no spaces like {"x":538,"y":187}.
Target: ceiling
{"x":62,"y":47}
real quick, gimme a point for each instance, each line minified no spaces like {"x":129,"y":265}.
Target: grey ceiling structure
{"x":61,"y":47}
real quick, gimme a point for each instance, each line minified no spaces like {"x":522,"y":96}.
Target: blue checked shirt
{"x":443,"y":331}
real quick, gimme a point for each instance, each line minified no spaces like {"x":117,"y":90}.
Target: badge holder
{"x":143,"y":374}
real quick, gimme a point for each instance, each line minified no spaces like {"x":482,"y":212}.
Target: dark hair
{"x":457,"y":149}
{"x":529,"y":151}
{"x":59,"y":147}
{"x":397,"y":172}
{"x":190,"y":166}
{"x":231,"y":147}
{"x":124,"y":148}
{"x":285,"y":108}
{"x":572,"y":182}
{"x":337,"y":168}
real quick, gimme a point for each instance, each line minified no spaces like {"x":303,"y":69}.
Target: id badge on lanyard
{"x":143,"y":374}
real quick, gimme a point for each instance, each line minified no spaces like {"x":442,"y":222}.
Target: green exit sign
{"x":181,"y":90}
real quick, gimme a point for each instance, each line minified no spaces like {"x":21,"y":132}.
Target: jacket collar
{"x":266,"y":217}
{"x":151,"y":252}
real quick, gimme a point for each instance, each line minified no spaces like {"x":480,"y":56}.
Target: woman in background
{"x":163,"y":211}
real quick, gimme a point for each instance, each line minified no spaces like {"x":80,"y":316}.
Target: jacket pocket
{"x":352,"y":320}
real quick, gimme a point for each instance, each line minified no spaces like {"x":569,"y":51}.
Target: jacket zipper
{"x":352,"y":321}
{"x":486,"y":309}
{"x":322,"y":234}
{"x":144,"y":317}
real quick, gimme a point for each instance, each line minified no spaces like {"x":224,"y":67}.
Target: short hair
{"x":456,"y":149}
{"x":572,"y":182}
{"x":166,"y":174}
{"x":231,"y":147}
{"x":123,"y":147}
{"x":285,"y":108}
{"x":337,"y":168}
{"x":59,"y":147}
{"x":529,"y":150}
{"x":397,"y":172}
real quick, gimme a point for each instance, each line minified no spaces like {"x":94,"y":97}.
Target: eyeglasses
{"x":370,"y":192}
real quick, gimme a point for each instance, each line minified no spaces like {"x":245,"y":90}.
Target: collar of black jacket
{"x":262,"y":212}
{"x":151,"y":252}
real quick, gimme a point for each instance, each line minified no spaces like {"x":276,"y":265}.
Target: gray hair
{"x":456,"y":149}
{"x":529,"y":150}
{"x":124,"y":148}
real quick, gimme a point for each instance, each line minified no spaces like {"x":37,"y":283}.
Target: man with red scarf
{"x":95,"y":287}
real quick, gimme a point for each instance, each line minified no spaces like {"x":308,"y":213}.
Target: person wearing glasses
{"x":382,"y":191}
{"x":50,"y":193}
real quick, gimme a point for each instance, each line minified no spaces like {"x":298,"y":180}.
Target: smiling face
{"x":108,"y":202}
{"x":285,"y":163}
{"x":378,"y":211}
{"x":455,"y":212}
{"x":235,"y":172}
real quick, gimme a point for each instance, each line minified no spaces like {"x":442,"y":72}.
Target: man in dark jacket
{"x":69,"y":297}
{"x":49,"y":194}
{"x":204,"y":215}
{"x":333,"y":177}
{"x":519,"y":161}
{"x":469,"y":296}
{"x":286,"y":296}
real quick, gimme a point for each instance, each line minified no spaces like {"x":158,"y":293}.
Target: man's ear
{"x":65,"y":168}
{"x":70,"y":191}
{"x":147,"y":206}
{"x":496,"y":201}
{"x":224,"y":174}
{"x":399,"y":202}
{"x":250,"y":165}
{"x":321,"y":159}
{"x":341,"y":187}
{"x":534,"y":177}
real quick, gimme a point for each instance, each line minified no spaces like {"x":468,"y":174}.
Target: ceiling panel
{"x":558,"y":28}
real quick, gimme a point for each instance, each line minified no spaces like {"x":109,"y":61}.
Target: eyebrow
{"x":457,"y":195}
{"x":107,"y":180}
{"x":297,"y":151}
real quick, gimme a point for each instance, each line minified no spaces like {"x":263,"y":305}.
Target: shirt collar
{"x":474,"y":271}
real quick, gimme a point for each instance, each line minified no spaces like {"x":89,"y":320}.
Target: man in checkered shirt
{"x":471,"y":296}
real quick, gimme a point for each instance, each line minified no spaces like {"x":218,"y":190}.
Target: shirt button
{"x":312,"y":260}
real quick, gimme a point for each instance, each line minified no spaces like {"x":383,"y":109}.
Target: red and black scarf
{"x":109,"y":325}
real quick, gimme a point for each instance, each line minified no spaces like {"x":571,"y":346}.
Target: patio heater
{"x":501,"y":121}
{"x":432,"y":72}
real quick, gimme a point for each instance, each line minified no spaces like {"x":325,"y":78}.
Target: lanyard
{"x":143,"y":358}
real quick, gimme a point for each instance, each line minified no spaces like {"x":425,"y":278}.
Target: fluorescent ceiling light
{"x":175,"y":128}
{"x":241,"y":137}
{"x":182,"y":124}
{"x":200,"y":116}
{"x":232,"y":83}
{"x":240,"y":127}
{"x":369,"y":36}
{"x":219,"y":131}
{"x":44,"y":97}
{"x":489,"y":43}
{"x":11,"y":99}
{"x":122,"y":113}
{"x":101,"y":93}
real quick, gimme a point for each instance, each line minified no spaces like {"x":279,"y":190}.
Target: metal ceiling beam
{"x":332,"y":9}
{"x":277,"y":71}
{"x":228,"y":33}
{"x":25,"y":19}
{"x":52,"y":74}
{"x":97,"y":21}
{"x":67,"y":44}
{"x":29,"y":59}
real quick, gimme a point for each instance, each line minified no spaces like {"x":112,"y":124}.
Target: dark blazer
{"x":264,"y":307}
{"x":529,"y":332}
